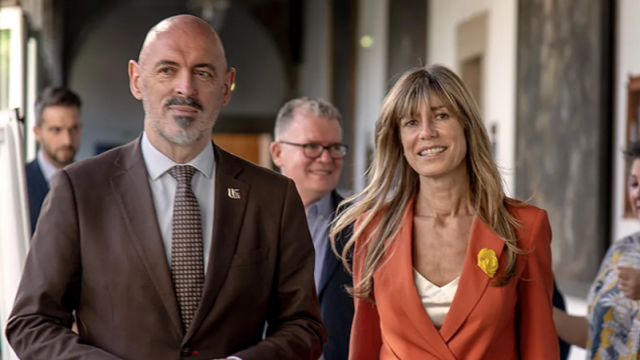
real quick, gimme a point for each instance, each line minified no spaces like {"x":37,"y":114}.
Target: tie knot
{"x":183,"y":173}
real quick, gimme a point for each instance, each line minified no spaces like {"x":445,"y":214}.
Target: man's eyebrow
{"x":173,"y":63}
{"x":166,"y":63}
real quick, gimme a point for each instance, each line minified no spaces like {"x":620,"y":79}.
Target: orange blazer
{"x":484,"y":322}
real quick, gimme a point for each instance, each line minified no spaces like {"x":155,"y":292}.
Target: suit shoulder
{"x":367,"y":231}
{"x":32,"y":165}
{"x":256,"y":174}
{"x":525,"y":212}
{"x":534,"y":227}
{"x":32,"y":169}
{"x":95,"y":164}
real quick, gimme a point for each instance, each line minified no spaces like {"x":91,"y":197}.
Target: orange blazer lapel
{"x":399,"y":269}
{"x":473,"y":280}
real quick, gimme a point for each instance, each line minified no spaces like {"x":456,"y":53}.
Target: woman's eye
{"x":442,"y":116}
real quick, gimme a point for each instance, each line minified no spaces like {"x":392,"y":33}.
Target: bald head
{"x":183,"y":26}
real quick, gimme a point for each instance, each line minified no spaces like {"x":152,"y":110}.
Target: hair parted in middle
{"x":393,"y":183}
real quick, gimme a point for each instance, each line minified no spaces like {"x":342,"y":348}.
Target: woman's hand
{"x":628,"y":281}
{"x":572,"y":329}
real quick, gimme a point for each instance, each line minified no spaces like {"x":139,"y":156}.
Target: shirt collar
{"x":158,"y":163}
{"x":48,"y":169}
{"x":321,"y":207}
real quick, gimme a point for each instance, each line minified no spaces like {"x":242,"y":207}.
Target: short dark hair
{"x":55,"y":96}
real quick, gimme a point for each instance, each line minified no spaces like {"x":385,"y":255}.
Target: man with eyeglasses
{"x":308,"y":149}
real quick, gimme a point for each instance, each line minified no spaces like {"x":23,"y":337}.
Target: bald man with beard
{"x":169,"y":247}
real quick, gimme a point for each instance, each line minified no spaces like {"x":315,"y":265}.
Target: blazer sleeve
{"x":366,"y":339}
{"x":537,"y":332}
{"x":295,"y":329}
{"x":40,"y":324}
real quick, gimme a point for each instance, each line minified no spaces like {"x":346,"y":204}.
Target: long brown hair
{"x":392,"y":183}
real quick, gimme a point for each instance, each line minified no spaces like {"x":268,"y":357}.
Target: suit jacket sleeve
{"x":366,"y":339}
{"x":40,"y":323}
{"x":295,"y":329}
{"x":537,"y":332}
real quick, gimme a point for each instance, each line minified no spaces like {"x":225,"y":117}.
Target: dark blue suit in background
{"x":37,"y":190}
{"x":336,"y":305}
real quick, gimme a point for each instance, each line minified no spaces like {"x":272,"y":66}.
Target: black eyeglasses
{"x":314,"y":151}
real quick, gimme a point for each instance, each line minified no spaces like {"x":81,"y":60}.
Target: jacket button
{"x":185,"y":352}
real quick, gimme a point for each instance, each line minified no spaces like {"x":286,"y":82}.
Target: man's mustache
{"x":184,"y":101}
{"x":70,"y":148}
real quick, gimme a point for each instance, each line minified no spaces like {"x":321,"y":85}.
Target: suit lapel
{"x":133,"y":194}
{"x":231,"y":197}
{"x":41,"y":180}
{"x":400,"y":263}
{"x":331,"y":264}
{"x":473,"y":280}
{"x":331,"y":260}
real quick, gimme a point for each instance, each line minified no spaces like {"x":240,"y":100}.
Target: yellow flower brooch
{"x":488,"y":262}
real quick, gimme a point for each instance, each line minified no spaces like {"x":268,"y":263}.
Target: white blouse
{"x":436,"y":300}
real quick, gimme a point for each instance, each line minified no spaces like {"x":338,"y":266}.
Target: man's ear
{"x":37,"y":131}
{"x":228,"y":83}
{"x":276,"y":153}
{"x":134,"y":79}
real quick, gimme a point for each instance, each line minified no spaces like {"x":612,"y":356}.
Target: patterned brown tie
{"x":187,"y":268}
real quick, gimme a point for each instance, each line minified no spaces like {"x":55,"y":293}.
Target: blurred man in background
{"x":57,"y":130}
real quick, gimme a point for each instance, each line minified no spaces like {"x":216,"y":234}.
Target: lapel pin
{"x":234,"y":193}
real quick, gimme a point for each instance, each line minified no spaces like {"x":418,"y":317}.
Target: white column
{"x":371,"y":79}
{"x":14,"y":219}
{"x":315,"y":73}
{"x":11,"y":19}
{"x":500,"y":85}
{"x":32,"y":88}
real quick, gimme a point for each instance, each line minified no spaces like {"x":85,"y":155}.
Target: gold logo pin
{"x":234,"y":193}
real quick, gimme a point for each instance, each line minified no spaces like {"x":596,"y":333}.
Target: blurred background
{"x":558,"y":83}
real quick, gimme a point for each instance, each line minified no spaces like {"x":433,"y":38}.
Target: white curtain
{"x":14,"y":219}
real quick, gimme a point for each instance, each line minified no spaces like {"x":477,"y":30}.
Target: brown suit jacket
{"x":98,"y":250}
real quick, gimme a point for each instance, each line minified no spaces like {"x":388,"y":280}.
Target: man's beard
{"x":183,"y":136}
{"x":60,"y":162}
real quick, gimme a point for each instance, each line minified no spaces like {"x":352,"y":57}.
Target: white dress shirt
{"x":163,"y":188}
{"x":48,"y":169}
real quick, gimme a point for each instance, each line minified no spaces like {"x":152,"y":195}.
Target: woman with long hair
{"x":445,"y":265}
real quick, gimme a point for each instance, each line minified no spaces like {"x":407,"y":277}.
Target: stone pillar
{"x":52,"y":42}
{"x":564,"y":128}
{"x":407,"y":43}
